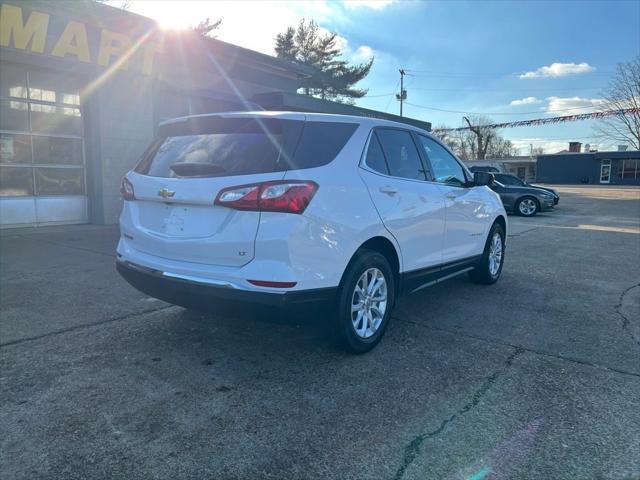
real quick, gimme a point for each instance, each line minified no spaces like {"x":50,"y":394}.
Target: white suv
{"x":293,"y":209}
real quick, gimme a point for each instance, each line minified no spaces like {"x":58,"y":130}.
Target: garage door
{"x":42,"y":169}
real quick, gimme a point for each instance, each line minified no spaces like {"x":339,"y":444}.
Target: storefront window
{"x":61,"y":151}
{"x":629,"y":169}
{"x":16,"y":182}
{"x":55,"y":119}
{"x":54,"y":87}
{"x":59,"y":181}
{"x":15,"y":148}
{"x":41,"y":147}
{"x":13,"y":115}
{"x":13,"y":82}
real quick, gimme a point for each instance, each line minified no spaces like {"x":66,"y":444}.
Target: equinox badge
{"x":166,"y":193}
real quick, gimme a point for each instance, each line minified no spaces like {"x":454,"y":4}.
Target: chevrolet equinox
{"x":296,"y":209}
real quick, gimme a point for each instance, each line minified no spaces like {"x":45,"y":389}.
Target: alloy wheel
{"x":369,"y":302}
{"x":527,"y":206}
{"x":495,"y":254}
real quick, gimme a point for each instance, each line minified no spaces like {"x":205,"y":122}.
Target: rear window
{"x":321,"y":142}
{"x":214,"y":147}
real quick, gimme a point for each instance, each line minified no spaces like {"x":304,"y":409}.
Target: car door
{"x":411,"y":208}
{"x":467,"y":214}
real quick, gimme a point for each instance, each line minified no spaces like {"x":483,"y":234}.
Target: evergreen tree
{"x":334,"y":78}
{"x":285,"y":45}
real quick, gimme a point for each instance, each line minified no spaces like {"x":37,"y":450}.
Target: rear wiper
{"x":196,"y":169}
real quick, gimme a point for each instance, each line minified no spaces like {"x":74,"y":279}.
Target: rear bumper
{"x":204,"y":296}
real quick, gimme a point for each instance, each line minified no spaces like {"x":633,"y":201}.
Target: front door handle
{"x":451,"y":196}
{"x":389,"y":190}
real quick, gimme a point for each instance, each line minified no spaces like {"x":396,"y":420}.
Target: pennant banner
{"x":544,"y":121}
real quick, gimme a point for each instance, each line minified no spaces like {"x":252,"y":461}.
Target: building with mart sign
{"x":83,"y":87}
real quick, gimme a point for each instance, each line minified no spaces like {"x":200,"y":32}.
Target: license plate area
{"x":178,"y":221}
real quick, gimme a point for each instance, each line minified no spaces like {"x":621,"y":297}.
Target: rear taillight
{"x":279,"y":196}
{"x":126,"y":189}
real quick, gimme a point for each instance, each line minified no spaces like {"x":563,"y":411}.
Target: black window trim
{"x":426,"y":168}
{"x":447,"y":149}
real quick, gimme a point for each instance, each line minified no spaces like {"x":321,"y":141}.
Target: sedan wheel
{"x":527,"y":207}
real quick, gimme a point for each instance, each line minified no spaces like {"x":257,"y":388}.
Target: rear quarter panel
{"x":319,"y":244}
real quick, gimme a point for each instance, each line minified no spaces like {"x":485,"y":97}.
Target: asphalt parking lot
{"x":535,"y":377}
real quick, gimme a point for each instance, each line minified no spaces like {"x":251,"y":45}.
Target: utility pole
{"x":402,"y":96}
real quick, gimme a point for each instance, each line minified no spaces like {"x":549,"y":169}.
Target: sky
{"x":508,"y":60}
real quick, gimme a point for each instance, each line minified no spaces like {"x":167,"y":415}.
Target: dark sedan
{"x":525,"y":201}
{"x":512,"y":180}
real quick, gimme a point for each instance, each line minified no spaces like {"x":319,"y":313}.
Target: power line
{"x":537,"y":139}
{"x":376,"y":96}
{"x":494,"y":113}
{"x":506,"y":90}
{"x":544,"y":121}
{"x":433,"y":73}
{"x":389,"y":102}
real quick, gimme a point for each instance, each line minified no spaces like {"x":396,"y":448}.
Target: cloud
{"x":573,"y":105}
{"x":525,"y":101}
{"x":363,"y":53}
{"x":556,"y":70}
{"x":373,"y":4}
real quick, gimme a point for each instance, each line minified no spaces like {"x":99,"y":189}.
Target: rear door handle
{"x":451,"y":196}
{"x":389,"y":190}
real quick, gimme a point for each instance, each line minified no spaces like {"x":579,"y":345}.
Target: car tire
{"x":527,"y":207}
{"x":487,"y":271}
{"x":359,"y":330}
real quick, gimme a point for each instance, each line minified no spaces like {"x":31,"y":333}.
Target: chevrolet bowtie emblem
{"x":166,"y":193}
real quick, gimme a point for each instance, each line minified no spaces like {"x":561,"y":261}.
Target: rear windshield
{"x":214,"y":147}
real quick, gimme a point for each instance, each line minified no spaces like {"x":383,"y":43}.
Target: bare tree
{"x":478,"y":142}
{"x":500,"y":147}
{"x":484,"y":136}
{"x":206,"y":27}
{"x":623,"y":92}
{"x":447,"y":137}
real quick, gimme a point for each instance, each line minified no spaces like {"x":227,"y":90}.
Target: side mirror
{"x":483,"y":178}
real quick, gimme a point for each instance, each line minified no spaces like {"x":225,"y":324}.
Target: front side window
{"x":446,"y":168}
{"x":402,"y":156}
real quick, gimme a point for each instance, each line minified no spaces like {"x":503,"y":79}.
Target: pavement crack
{"x":625,"y":320}
{"x":84,"y":325}
{"x":412,"y":450}
{"x":513,"y":235}
{"x":526,"y":349}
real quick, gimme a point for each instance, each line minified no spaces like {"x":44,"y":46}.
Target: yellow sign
{"x":115,"y":48}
